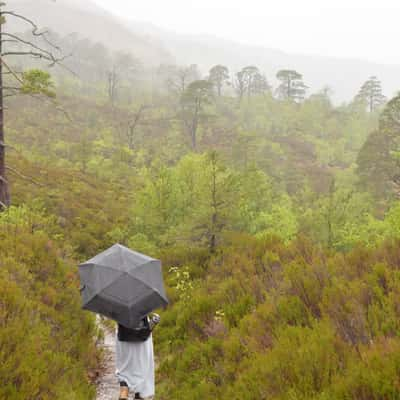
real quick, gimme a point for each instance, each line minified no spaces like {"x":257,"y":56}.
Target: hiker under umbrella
{"x":126,"y":286}
{"x":123,"y":285}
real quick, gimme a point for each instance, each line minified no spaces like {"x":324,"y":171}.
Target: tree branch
{"x":39,"y":53}
{"x":35,"y":54}
{"x":9,"y":88}
{"x":9,"y":146}
{"x":9,"y":41}
{"x":28,"y":43}
{"x":35,"y":28}
{"x":57,"y":106}
{"x":27,"y":178}
{"x":54,"y":103}
{"x":11,"y":71}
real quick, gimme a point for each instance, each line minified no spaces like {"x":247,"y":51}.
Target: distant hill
{"x":89,"y":21}
{"x":344,"y":76}
{"x":154,"y":45}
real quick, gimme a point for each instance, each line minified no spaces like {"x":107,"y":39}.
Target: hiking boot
{"x":123,"y":393}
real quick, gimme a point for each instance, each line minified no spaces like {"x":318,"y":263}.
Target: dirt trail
{"x":107,"y":388}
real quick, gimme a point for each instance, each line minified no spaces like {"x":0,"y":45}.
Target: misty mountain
{"x":153,"y":45}
{"x":90,"y":22}
{"x":343,"y":76}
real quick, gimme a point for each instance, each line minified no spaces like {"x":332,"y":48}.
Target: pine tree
{"x":292,"y":86}
{"x":378,"y":160}
{"x":371,"y":94}
{"x":218,"y":76}
{"x":193,"y":101}
{"x":260,"y":84}
{"x":250,"y":81}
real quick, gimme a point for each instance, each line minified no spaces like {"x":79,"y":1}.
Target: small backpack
{"x":139,"y":334}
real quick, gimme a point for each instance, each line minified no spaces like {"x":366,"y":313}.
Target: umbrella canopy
{"x":122,"y":284}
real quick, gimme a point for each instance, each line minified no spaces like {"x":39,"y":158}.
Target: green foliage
{"x":378,"y":163}
{"x":341,"y":219}
{"x":270,"y":321}
{"x":281,"y":266}
{"x":46,"y":340}
{"x":392,"y":221}
{"x":279,"y":220}
{"x":36,"y":81}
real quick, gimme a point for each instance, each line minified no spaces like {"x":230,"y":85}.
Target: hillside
{"x":90,"y":22}
{"x":276,"y":218}
{"x":306,"y":284}
{"x":154,"y":46}
{"x":344,"y":76}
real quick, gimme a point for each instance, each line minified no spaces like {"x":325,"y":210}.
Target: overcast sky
{"x":367,"y":29}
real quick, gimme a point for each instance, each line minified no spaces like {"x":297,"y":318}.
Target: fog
{"x":365,"y":29}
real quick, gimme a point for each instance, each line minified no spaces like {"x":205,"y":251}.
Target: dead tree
{"x":12,"y":82}
{"x":128,"y":126}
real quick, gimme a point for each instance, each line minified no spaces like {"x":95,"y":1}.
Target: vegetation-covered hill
{"x":275,"y":213}
{"x":88,"y":21}
{"x":343,"y":76}
{"x":154,"y":45}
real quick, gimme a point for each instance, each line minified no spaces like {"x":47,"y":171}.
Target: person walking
{"x":135,"y":359}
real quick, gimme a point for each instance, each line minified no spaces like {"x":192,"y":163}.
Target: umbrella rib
{"x":137,"y":280}
{"x":127,"y":273}
{"x":100,"y":265}
{"x":106,"y":287}
{"x":144,"y":284}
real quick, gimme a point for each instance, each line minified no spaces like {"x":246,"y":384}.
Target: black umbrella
{"x":122,"y":284}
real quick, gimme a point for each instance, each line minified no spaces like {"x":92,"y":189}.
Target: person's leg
{"x":123,"y":391}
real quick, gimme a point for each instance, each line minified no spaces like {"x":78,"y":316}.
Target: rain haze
{"x":231,"y":172}
{"x":363,"y":29}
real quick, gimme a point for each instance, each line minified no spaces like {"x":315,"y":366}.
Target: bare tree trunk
{"x":329,"y":216}
{"x":193,"y":134}
{"x":195,"y":125}
{"x":112,"y":85}
{"x":4,"y":193}
{"x":214,"y":205}
{"x":132,"y":126}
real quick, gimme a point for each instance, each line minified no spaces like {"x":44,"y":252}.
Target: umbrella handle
{"x":82,"y":288}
